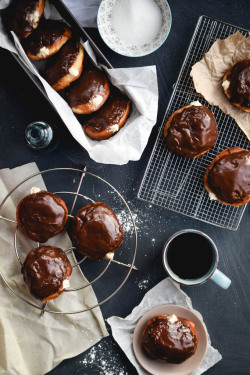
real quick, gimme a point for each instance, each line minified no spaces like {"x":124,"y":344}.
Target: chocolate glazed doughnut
{"x":46,"y":40}
{"x":170,"y":338}
{"x":41,"y":215}
{"x":67,"y":67}
{"x":109,"y":119}
{"x":227,"y":178}
{"x":89,"y":93}
{"x":236,"y":84}
{"x":45,"y":271}
{"x":191,"y":131}
{"x":23,"y":16}
{"x":96,"y":231}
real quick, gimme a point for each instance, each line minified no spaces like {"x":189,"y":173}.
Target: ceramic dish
{"x":157,"y":367}
{"x":104,"y":23}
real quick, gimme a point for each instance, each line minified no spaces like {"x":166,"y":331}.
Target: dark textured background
{"x":226,"y":313}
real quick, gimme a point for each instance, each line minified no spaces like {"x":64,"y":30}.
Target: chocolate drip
{"x":229,"y":178}
{"x":89,"y":85}
{"x":44,"y":270}
{"x":192,"y":132}
{"x":63,"y":62}
{"x":109,"y":114}
{"x":172,"y":342}
{"x":17,"y":16}
{"x":41,"y":216}
{"x":239,"y":89}
{"x":48,"y":33}
{"x":96,"y":231}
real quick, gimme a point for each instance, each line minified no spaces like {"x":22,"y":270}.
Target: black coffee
{"x":190,"y":256}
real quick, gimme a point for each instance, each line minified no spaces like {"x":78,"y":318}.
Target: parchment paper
{"x":208,"y":74}
{"x":140,"y":84}
{"x":31,"y":344}
{"x":166,"y":292}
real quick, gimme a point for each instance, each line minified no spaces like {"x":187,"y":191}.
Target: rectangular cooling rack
{"x":176,"y":183}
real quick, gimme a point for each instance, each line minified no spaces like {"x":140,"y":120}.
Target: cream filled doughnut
{"x":89,"y":93}
{"x":67,"y":67}
{"x":46,"y":40}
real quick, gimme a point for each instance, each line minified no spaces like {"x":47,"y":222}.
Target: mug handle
{"x":220,"y":279}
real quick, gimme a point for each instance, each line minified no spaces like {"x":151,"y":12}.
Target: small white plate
{"x":104,"y":23}
{"x":156,"y":367}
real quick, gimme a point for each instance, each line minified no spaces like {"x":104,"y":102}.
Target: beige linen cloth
{"x":31,"y":344}
{"x":208,"y":73}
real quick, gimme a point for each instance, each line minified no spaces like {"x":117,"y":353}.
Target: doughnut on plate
{"x":157,"y":367}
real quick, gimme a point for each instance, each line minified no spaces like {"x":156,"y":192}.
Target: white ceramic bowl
{"x":104,"y":23}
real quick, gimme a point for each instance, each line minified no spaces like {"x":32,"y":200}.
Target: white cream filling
{"x":73,"y":71}
{"x":109,"y":256}
{"x":96,"y":101}
{"x":43,"y":52}
{"x":34,"y":190}
{"x":114,"y":128}
{"x":66,"y":283}
{"x":226,"y":84}
{"x":248,"y":161}
{"x":172,"y":318}
{"x":212,"y":196}
{"x":196,"y":103}
{"x":33,"y":17}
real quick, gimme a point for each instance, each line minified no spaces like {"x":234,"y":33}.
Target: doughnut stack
{"x":101,"y":108}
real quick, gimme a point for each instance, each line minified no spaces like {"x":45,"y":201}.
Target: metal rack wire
{"x":76,"y":195}
{"x":176,"y":183}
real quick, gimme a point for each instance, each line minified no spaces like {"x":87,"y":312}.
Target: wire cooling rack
{"x":100,"y":272}
{"x":176,"y":183}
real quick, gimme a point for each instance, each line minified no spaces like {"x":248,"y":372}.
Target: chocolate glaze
{"x":172,"y":342}
{"x":44,"y":270}
{"x":192,"y":131}
{"x":47,"y":34}
{"x":229,"y":178}
{"x":109,"y":114}
{"x":16,"y":15}
{"x":63,"y":62}
{"x":87,"y":87}
{"x":41,"y":216}
{"x":96,"y":231}
{"x":239,"y":89}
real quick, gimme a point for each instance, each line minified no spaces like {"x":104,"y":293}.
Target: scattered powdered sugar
{"x":126,"y":222}
{"x":143,"y":284}
{"x":96,"y":360}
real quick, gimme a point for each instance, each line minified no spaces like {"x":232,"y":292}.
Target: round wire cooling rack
{"x":76,"y":194}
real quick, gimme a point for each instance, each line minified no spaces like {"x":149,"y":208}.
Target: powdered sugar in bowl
{"x":134,"y":27}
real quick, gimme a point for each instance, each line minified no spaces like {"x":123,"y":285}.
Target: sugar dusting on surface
{"x":96,"y":361}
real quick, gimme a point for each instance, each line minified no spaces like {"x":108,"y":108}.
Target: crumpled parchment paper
{"x":208,"y":73}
